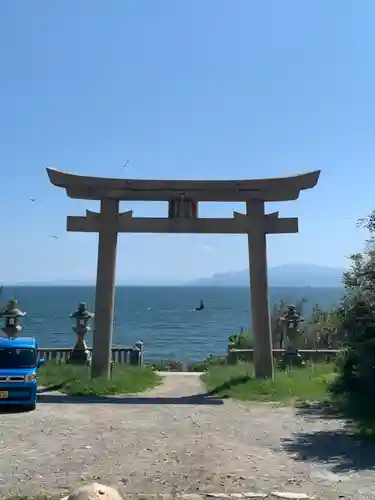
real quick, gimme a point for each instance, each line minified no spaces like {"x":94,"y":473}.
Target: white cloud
{"x":207,"y":248}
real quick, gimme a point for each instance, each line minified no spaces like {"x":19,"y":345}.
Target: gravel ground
{"x":179,"y":443}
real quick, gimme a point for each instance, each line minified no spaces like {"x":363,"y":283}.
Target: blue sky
{"x":197,"y":89}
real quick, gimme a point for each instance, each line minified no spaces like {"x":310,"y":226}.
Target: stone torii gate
{"x":183,"y":198}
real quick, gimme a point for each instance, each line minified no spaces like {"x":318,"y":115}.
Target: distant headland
{"x":286,"y":275}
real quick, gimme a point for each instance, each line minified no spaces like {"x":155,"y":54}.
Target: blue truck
{"x":19,"y":362}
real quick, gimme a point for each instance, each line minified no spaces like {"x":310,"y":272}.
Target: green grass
{"x":75,"y":380}
{"x":308,"y":384}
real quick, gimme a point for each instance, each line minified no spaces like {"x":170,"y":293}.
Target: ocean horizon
{"x":163,"y":317}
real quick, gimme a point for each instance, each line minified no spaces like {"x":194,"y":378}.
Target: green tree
{"x":323,"y":329}
{"x":242,"y":340}
{"x":356,"y":324}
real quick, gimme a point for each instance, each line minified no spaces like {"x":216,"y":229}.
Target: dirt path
{"x":178,"y":385}
{"x":166,"y":441}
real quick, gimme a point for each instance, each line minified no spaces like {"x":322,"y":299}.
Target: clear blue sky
{"x":197,"y":89}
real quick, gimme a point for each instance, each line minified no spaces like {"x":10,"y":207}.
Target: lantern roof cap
{"x":82,"y":311}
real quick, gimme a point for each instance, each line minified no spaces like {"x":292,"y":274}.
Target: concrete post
{"x":260,"y":312}
{"x":105,"y":289}
{"x":140,"y":345}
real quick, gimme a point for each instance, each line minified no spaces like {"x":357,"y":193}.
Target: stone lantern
{"x":12,"y":319}
{"x":291,"y":321}
{"x":82,"y":317}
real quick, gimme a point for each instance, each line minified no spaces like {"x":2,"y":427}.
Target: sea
{"x":162,"y":317}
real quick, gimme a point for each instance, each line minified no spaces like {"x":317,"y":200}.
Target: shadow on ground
{"x":205,"y":399}
{"x":229,"y":384}
{"x":11,"y":409}
{"x":340,"y":450}
{"x":51,"y":388}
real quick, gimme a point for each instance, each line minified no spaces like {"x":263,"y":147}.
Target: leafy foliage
{"x":198,"y":366}
{"x":323,"y":330}
{"x":356,"y":318}
{"x":320,"y":331}
{"x":242,"y":340}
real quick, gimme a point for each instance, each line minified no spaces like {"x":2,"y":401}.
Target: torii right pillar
{"x":260,"y":310}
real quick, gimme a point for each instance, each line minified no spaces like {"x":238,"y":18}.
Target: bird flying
{"x":125,"y":164}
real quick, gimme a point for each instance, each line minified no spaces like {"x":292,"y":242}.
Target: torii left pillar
{"x":105,"y":288}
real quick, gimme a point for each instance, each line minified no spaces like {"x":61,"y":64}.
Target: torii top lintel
{"x":97,"y":188}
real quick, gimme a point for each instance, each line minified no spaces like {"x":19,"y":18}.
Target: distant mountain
{"x":293,"y":275}
{"x":287,"y":275}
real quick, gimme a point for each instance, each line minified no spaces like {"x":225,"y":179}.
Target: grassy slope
{"x":309,"y":383}
{"x":75,"y":380}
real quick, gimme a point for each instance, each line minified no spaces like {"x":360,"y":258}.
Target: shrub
{"x":356,"y":363}
{"x":169,"y":365}
{"x":198,"y":366}
{"x":207,"y":363}
{"x":242,"y":340}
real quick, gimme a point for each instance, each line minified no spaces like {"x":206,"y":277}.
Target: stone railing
{"x":129,"y":355}
{"x":314,"y":355}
